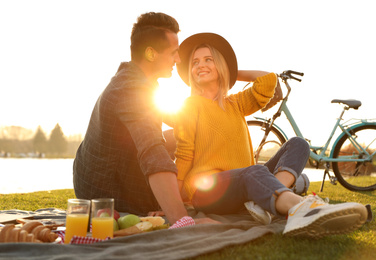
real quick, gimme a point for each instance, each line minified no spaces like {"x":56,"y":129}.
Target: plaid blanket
{"x":179,"y":243}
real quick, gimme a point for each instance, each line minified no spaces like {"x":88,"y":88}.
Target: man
{"x":123,"y":155}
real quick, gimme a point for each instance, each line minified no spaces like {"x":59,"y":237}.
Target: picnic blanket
{"x":180,"y":243}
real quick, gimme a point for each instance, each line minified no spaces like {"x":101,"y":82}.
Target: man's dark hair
{"x":150,"y":31}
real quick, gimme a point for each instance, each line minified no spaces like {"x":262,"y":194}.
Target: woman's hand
{"x":156,"y":214}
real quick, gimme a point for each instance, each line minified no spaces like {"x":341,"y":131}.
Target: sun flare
{"x":206,"y":183}
{"x":171,"y":94}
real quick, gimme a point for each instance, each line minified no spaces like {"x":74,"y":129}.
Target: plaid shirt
{"x":123,"y":145}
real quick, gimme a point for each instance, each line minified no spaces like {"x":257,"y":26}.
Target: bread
{"x":14,"y":234}
{"x":127,"y":231}
{"x":33,"y":232}
{"x":37,"y":230}
{"x":5,"y":232}
{"x":29,"y":226}
{"x":23,"y":236}
{"x":156,"y":221}
{"x":45,"y":235}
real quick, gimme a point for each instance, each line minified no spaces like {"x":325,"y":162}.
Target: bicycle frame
{"x":321,"y":156}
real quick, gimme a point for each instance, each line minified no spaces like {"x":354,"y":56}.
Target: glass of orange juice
{"x":77,"y":219}
{"x":102,"y":218}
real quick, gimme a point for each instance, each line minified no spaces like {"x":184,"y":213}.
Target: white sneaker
{"x":314,"y":217}
{"x":258,"y":213}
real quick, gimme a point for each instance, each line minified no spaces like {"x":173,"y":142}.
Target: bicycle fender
{"x":276,"y":126}
{"x":342,"y":134}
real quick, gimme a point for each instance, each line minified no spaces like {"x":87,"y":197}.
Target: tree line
{"x":17,"y":141}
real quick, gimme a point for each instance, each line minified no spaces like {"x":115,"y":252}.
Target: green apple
{"x":128,"y":221}
{"x":104,"y":215}
{"x":116,"y":226}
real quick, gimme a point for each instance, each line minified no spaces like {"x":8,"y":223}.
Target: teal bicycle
{"x":352,"y":155}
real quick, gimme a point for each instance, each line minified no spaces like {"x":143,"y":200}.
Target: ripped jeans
{"x":254,"y":183}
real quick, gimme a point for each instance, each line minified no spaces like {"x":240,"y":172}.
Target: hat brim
{"x":215,"y":40}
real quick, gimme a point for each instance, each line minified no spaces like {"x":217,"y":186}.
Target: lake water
{"x":29,"y":175}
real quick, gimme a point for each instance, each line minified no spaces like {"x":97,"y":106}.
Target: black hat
{"x":215,"y":40}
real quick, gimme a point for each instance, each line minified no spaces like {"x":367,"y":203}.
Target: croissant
{"x":40,"y":232}
{"x":11,"y":233}
{"x":30,"y":232}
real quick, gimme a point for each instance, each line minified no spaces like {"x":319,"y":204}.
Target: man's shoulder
{"x":127,"y":66}
{"x":128,"y":75}
{"x":129,"y":70}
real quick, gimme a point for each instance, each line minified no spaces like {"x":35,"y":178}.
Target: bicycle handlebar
{"x":288,"y":74}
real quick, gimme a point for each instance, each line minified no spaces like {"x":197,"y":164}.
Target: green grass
{"x":36,"y":200}
{"x":360,"y":244}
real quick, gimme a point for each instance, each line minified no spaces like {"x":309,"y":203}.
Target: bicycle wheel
{"x":263,"y":152}
{"x":357,"y":176}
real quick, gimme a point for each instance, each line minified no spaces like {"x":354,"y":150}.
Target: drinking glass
{"x":77,"y":219}
{"x":102,"y":218}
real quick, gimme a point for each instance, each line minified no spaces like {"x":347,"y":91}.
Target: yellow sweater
{"x":210,"y":139}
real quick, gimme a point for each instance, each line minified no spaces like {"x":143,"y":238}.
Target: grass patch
{"x":360,"y":244}
{"x":36,"y":200}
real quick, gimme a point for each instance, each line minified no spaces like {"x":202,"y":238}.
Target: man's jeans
{"x":256,"y":183}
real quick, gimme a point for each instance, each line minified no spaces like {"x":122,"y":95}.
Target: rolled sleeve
{"x":137,"y":112}
{"x":256,"y":97}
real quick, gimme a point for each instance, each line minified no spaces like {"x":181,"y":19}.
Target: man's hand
{"x":206,"y":221}
{"x":189,"y":221}
{"x":156,"y":214}
{"x":165,"y":188}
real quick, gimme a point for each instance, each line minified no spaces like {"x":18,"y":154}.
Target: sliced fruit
{"x":156,"y":221}
{"x":145,"y":226}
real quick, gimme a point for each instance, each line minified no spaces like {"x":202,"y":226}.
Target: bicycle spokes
{"x":356,"y":171}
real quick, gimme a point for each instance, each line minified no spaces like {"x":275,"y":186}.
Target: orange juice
{"x":102,"y":227}
{"x":76,"y":225}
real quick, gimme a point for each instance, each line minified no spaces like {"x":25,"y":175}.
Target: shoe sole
{"x":259,"y":219}
{"x":340,"y":222}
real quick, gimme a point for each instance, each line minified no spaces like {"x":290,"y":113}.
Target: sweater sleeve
{"x":185,"y":132}
{"x":258,"y":96}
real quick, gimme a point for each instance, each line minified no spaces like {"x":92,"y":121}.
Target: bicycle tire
{"x":356,"y":176}
{"x":275,"y":138}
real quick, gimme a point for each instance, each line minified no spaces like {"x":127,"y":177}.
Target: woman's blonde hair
{"x":223,"y":75}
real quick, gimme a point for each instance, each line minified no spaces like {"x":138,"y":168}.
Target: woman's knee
{"x":299,"y":141}
{"x":301,"y":144}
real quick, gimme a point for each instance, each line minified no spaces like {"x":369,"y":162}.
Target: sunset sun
{"x":171,"y":94}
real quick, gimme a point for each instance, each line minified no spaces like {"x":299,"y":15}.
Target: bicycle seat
{"x":352,"y":103}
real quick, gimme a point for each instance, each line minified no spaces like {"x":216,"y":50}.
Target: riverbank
{"x":32,"y":174}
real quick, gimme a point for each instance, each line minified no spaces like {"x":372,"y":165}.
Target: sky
{"x":56,"y":57}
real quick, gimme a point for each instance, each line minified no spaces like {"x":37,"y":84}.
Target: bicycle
{"x":352,"y":155}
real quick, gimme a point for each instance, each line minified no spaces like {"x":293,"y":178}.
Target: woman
{"x":214,"y":155}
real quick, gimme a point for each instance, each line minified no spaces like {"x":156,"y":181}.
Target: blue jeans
{"x":254,"y":183}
